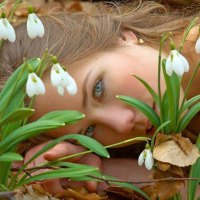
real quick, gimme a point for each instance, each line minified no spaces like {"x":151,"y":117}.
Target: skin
{"x":114,"y":121}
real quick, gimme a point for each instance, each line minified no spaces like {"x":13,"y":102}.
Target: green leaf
{"x":64,"y":116}
{"x":59,"y":173}
{"x":86,"y":141}
{"x":27,"y":131}
{"x":173,"y":93}
{"x":17,"y":115}
{"x":151,"y":91}
{"x":10,"y":156}
{"x":194,"y":173}
{"x":19,"y":88}
{"x":188,"y":117}
{"x":189,"y":103}
{"x":143,"y":107}
{"x":166,"y":113}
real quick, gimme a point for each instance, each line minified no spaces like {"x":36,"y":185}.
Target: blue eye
{"x":90,"y":130}
{"x":98,"y":90}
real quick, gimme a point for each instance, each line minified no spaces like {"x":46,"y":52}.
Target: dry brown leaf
{"x":160,"y":138}
{"x":185,"y":143}
{"x":33,"y":193}
{"x":162,"y":166}
{"x":79,"y":193}
{"x":171,"y":152}
{"x":119,"y":193}
{"x":166,"y":189}
{"x":150,"y":190}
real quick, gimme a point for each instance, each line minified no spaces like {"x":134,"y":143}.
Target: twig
{"x":151,"y":181}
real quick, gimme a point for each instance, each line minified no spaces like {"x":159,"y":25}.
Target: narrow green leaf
{"x":9,"y":85}
{"x":27,"y":131}
{"x":173,"y":93}
{"x":17,"y":115}
{"x":91,"y":144}
{"x":188,"y":117}
{"x":59,"y":173}
{"x":143,"y":107}
{"x":189,"y":103}
{"x":151,"y":91}
{"x":64,"y":116}
{"x":10,"y":156}
{"x":88,"y":142}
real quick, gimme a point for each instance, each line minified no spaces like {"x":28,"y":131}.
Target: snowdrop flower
{"x":34,"y":85}
{"x":197,"y":46}
{"x":62,"y":80}
{"x":177,"y":63}
{"x":7,"y":32}
{"x":146,"y":157}
{"x":34,"y":25}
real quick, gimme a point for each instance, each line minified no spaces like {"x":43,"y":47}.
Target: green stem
{"x":15,"y":6}
{"x":190,"y":26}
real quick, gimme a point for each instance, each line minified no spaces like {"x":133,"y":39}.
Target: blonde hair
{"x":74,"y":36}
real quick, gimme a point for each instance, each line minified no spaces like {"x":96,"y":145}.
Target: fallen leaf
{"x":166,"y":189}
{"x":160,"y":138}
{"x":151,"y":191}
{"x":185,"y":143}
{"x":171,"y":152}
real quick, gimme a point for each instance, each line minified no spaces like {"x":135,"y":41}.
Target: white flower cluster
{"x":60,"y":79}
{"x":146,"y":157}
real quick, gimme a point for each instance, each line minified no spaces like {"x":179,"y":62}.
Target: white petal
{"x":185,"y":63}
{"x":40,"y":88}
{"x":30,"y":86}
{"x":55,"y":75}
{"x":60,"y":90}
{"x":141,"y":159}
{"x":178,"y":66}
{"x":3,"y":30}
{"x":197,"y":46}
{"x":169,"y":69}
{"x":40,"y":27}
{"x":10,"y":31}
{"x":149,"y":160}
{"x":72,"y":87}
{"x":31,"y":26}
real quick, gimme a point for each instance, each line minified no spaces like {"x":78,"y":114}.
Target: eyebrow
{"x":85,"y":94}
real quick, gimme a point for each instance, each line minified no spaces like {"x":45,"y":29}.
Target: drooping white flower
{"x":177,"y":63}
{"x":62,"y":80}
{"x":7,"y":32}
{"x":197,"y":46}
{"x":146,"y":157}
{"x":34,"y":85}
{"x":34,"y":26}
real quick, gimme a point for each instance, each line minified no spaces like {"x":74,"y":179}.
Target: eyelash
{"x":99,"y":83}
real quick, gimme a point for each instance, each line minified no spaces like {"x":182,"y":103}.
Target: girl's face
{"x":99,"y":79}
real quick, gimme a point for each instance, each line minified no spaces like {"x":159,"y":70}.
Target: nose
{"x":121,"y":120}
